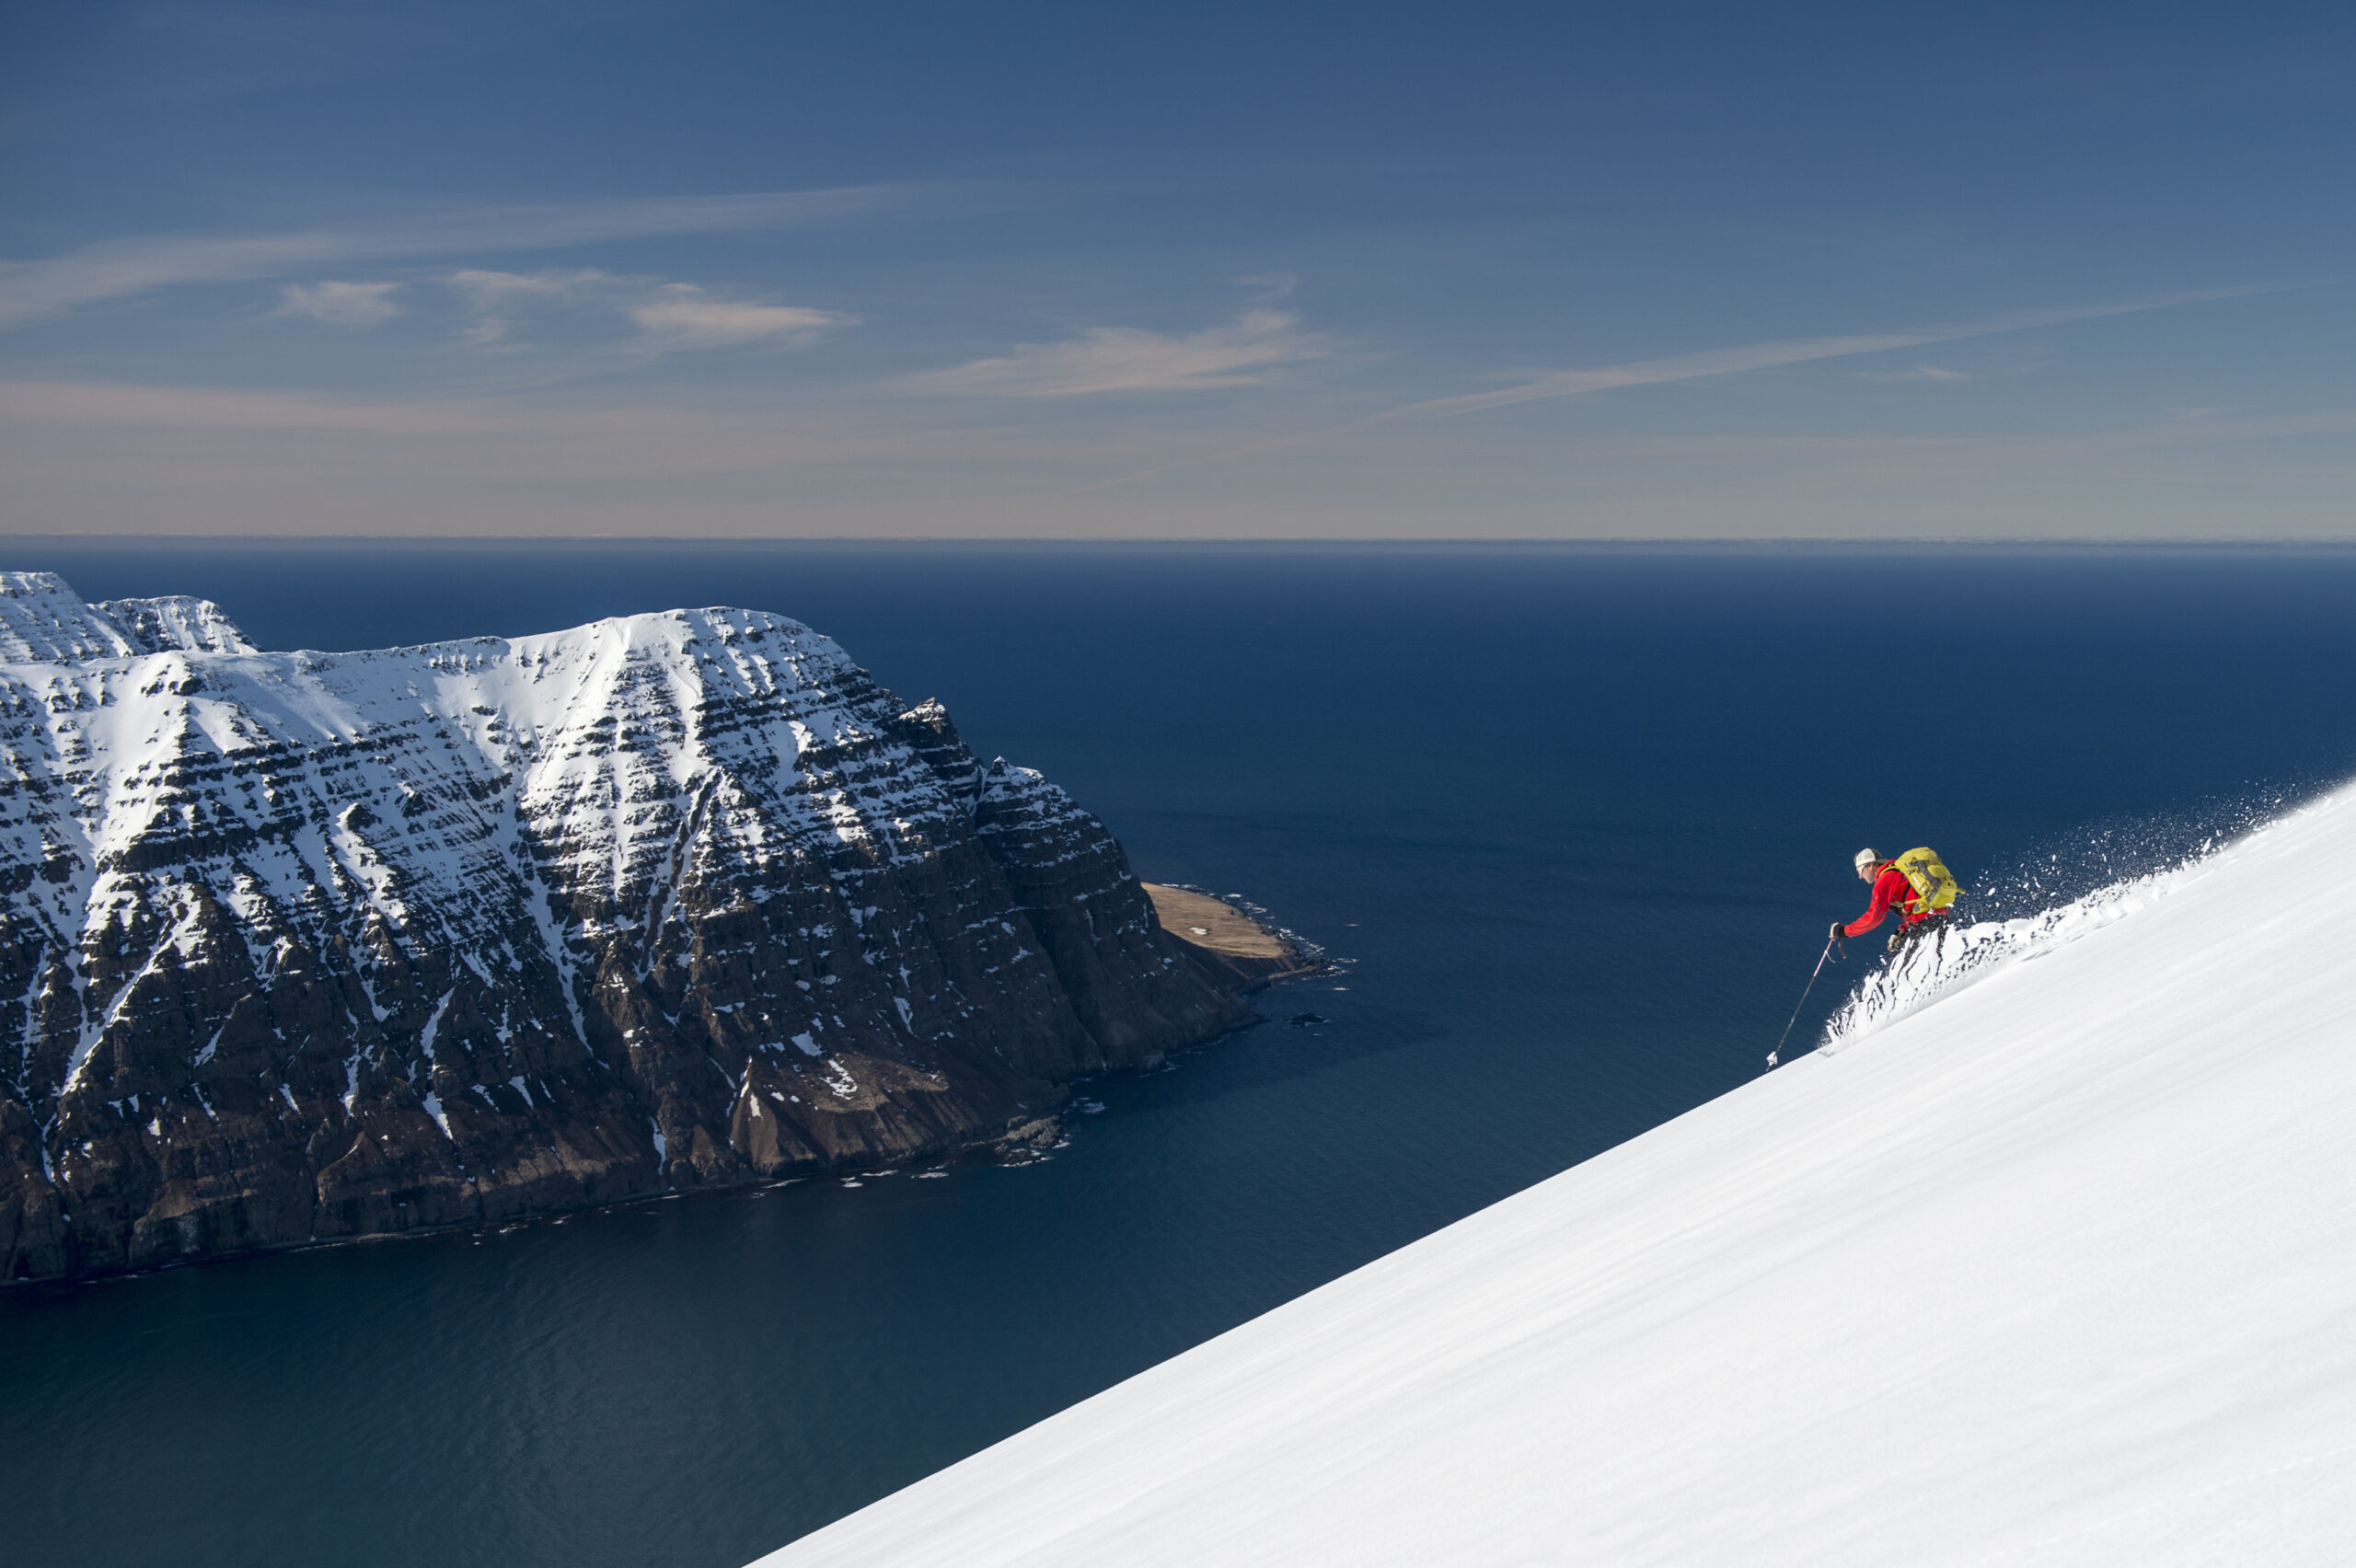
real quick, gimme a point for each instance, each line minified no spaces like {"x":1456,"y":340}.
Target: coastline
{"x":1237,"y":948}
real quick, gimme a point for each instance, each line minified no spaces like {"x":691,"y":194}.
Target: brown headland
{"x":1237,"y":948}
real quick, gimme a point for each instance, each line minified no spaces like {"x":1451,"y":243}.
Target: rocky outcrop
{"x":1244,"y":952}
{"x":304,"y":946}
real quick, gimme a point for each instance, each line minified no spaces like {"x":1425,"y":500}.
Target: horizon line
{"x":1715,"y":541}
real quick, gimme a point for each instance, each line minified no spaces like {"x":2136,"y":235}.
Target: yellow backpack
{"x":1935,"y":885}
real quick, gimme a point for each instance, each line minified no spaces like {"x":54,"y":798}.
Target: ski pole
{"x":1776,"y":1055}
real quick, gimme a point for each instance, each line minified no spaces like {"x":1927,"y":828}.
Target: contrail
{"x":1794,"y":350}
{"x":1706,"y":362}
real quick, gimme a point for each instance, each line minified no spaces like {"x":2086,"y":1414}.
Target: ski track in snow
{"x":2056,"y":1272}
{"x":1963,"y":955}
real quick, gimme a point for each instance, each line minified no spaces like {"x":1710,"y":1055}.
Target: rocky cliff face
{"x":300,"y":946}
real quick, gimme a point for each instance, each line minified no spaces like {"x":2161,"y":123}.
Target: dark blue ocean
{"x":1580,"y":816}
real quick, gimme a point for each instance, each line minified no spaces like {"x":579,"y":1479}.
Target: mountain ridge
{"x":304,"y":946}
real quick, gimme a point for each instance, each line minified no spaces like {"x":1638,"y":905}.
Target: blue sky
{"x":1055,"y":271}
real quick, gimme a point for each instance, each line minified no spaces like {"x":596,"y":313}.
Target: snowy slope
{"x":2055,"y":1270}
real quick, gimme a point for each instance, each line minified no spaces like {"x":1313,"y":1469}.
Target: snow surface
{"x":2054,"y":1269}
{"x":400,"y":778}
{"x":43,"y":621}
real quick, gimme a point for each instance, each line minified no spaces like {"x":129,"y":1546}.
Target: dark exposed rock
{"x":299,"y":947}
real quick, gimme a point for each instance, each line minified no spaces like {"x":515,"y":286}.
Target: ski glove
{"x":1838,"y":931}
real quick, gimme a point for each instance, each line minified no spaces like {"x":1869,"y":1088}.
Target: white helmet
{"x":1866,"y":857}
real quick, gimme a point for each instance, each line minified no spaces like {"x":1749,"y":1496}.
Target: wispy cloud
{"x":33,"y":291}
{"x":681,"y":315}
{"x":1915,"y":372}
{"x":341,"y":304}
{"x":1245,"y":352}
{"x":496,"y":296}
{"x":1797,"y":351}
{"x":488,"y":290}
{"x":668,"y":315}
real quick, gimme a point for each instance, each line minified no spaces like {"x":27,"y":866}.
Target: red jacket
{"x":1891,"y":891}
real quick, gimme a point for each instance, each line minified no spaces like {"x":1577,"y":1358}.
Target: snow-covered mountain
{"x":312,"y":945}
{"x":2056,"y":1268}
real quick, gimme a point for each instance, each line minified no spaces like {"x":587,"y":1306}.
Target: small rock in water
{"x":1302,"y":1021}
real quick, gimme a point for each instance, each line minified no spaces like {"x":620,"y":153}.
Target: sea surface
{"x":1576,"y":817}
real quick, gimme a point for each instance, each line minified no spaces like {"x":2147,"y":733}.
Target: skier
{"x":1916,"y":885}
